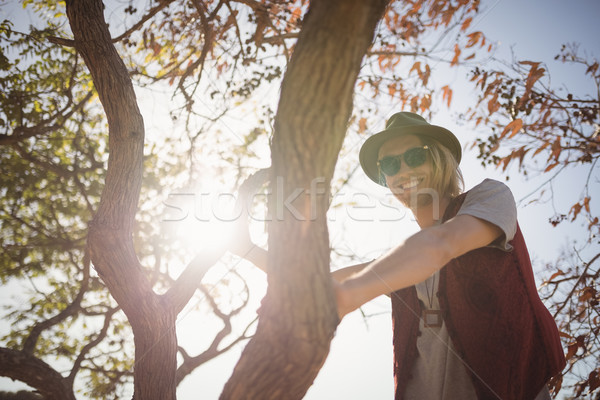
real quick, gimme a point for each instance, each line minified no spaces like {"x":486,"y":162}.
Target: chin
{"x":420,"y":198}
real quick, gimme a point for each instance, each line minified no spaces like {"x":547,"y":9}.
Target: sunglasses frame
{"x":400,"y":157}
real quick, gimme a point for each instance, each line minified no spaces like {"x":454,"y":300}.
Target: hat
{"x":399,"y":124}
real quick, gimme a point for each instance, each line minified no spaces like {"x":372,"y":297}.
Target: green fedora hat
{"x":400,"y":124}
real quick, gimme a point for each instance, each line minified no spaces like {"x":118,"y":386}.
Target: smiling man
{"x":468,"y":322}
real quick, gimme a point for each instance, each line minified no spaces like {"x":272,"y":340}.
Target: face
{"x":409,"y":185}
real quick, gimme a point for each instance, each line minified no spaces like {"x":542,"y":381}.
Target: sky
{"x":360,"y":362}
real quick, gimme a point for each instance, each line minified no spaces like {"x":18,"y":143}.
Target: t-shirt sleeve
{"x":493,"y":201}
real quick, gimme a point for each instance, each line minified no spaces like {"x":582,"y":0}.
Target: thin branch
{"x":564,"y":303}
{"x":141,"y":22}
{"x":61,"y":41}
{"x":99,"y":338}
{"x":70,"y":310}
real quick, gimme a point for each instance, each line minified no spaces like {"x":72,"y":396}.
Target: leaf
{"x":588,"y":294}
{"x":426,"y":74}
{"x":416,"y":66}
{"x":456,"y":55}
{"x":447,"y":94}
{"x":514,"y":127}
{"x":362,"y":125}
{"x":593,"y":223}
{"x":571,"y":350}
{"x":550,"y":167}
{"x":564,"y":334}
{"x":554,"y":275}
{"x":425,"y":103}
{"x":592,"y":69}
{"x":534,"y":75}
{"x":556,"y":149}
{"x":575,"y":209}
{"x":466,"y":23}
{"x":493,"y":104}
{"x":392,"y":89}
{"x":586,"y":204}
{"x":541,"y":148}
{"x":474,"y":38}
{"x":593,"y":380}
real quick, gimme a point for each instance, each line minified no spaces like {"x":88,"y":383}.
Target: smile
{"x":410,"y":184}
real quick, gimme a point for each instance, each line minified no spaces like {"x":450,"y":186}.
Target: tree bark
{"x":110,"y":232}
{"x":35,"y":373}
{"x":299,"y":316}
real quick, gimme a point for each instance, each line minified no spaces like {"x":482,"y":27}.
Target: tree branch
{"x":35,"y":373}
{"x":153,"y":11}
{"x":72,"y":309}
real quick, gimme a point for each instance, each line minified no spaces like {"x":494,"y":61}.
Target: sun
{"x":209,"y":217}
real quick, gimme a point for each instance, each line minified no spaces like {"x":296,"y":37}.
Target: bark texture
{"x":152,"y":317}
{"x":29,"y":369}
{"x":298,"y":316}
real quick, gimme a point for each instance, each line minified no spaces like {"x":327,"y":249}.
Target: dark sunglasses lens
{"x":415,"y":157}
{"x":390,"y":165}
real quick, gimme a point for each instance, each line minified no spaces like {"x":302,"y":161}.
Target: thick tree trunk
{"x":298,"y":316}
{"x":110,"y":232}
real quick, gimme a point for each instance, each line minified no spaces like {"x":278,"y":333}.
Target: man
{"x":468,"y":322}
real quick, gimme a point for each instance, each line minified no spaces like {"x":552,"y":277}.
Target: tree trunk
{"x":298,"y":316}
{"x":152,"y":318}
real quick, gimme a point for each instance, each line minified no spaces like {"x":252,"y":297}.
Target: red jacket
{"x":495,"y":318}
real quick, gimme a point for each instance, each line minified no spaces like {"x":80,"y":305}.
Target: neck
{"x":430,"y":213}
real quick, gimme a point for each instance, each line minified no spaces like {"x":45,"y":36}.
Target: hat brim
{"x":369,"y":151}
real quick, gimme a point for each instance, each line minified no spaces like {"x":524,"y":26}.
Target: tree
{"x":81,"y":207}
{"x":53,"y":144}
{"x":549,"y":130}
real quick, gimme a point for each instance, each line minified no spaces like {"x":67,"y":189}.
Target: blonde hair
{"x":446,"y":179}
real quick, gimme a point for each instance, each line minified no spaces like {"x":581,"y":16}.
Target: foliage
{"x":53,"y":151}
{"x":548,"y":130}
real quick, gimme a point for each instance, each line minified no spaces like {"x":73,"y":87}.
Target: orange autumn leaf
{"x":551,"y":166}
{"x":493,"y":104}
{"x":392,"y":89}
{"x":474,"y":38}
{"x":425,"y":103}
{"x":456,"y":55}
{"x":541,"y":148}
{"x":556,"y":149}
{"x":586,"y":204}
{"x":535,"y":73}
{"x":416,"y":67}
{"x":466,"y":23}
{"x":514,"y":127}
{"x":447,"y":94}
{"x":362,"y":125}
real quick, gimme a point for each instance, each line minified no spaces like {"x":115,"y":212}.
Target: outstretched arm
{"x":258,"y":256}
{"x":342,"y":274}
{"x":415,"y":260}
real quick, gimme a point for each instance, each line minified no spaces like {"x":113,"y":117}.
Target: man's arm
{"x":415,"y":260}
{"x":258,"y":256}
{"x":342,"y":274}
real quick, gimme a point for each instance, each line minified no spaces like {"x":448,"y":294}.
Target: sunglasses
{"x":390,"y":165}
